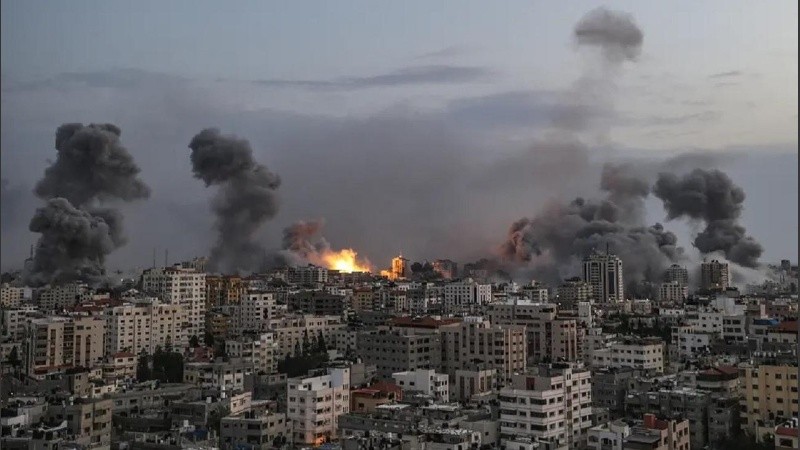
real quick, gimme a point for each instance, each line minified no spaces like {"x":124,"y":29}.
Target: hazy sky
{"x":374,"y":113}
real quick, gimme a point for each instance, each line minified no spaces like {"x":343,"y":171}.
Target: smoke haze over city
{"x":433,"y":147}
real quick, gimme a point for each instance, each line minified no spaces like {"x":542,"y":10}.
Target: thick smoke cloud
{"x":92,"y":167}
{"x":245,"y":201}
{"x":710,"y":196}
{"x":552,"y":243}
{"x":549,"y":246}
{"x":302,"y":243}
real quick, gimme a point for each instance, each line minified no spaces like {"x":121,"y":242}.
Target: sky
{"x":405,"y":125}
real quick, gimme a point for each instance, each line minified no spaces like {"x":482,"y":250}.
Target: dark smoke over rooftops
{"x":244,"y":202}
{"x":91,"y":167}
{"x":710,"y":196}
{"x":302,"y":241}
{"x":618,"y":37}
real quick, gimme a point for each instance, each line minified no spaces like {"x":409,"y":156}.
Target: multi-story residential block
{"x":770,"y":397}
{"x":13,"y":322}
{"x":254,"y":311}
{"x":223,"y":290}
{"x":363,"y":299}
{"x":573,"y":291}
{"x":291,"y":330}
{"x":257,"y":430}
{"x":56,"y":343}
{"x":393,"y":351}
{"x":426,"y":381}
{"x":714,"y":276}
{"x":317,"y":303}
{"x":260,"y":351}
{"x":643,"y":354}
{"x":604,"y":273}
{"x":309,"y":274}
{"x":88,"y":420}
{"x":180,"y":286}
{"x":608,"y":435}
{"x":671,"y":292}
{"x":689,"y":343}
{"x":553,"y":403}
{"x":13,"y":296}
{"x":60,"y":297}
{"x":549,"y":337}
{"x":473,"y":385}
{"x":657,"y":434}
{"x":229,"y":376}
{"x":677,"y":274}
{"x":609,"y":386}
{"x":314,"y":405}
{"x":476,"y":343}
{"x":465,"y":296}
{"x":143,"y":326}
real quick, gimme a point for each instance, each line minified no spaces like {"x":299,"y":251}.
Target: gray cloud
{"x":446,"y":52}
{"x":432,"y":74}
{"x":112,"y":79}
{"x":700,"y":117}
{"x":729,"y":74}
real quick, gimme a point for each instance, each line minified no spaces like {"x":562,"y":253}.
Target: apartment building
{"x":60,"y":297}
{"x":672,"y":292}
{"x":57,"y":343}
{"x":145,"y":325}
{"x":770,"y":397}
{"x":363,"y":299}
{"x":88,"y":420}
{"x":222,"y":290}
{"x":604,"y":272}
{"x":657,"y":434}
{"x":254,"y":310}
{"x":261,"y":351}
{"x":573,"y":291}
{"x":714,"y":275}
{"x":463,"y":297}
{"x":549,"y":337}
{"x":426,"y":381}
{"x":13,"y":296}
{"x":252,"y":429}
{"x":644,"y":354}
{"x":608,"y":435}
{"x":314,"y":405}
{"x":473,"y":385}
{"x":289,"y":330}
{"x":229,"y":376}
{"x":180,"y":286}
{"x":552,"y":403}
{"x":316,"y":302}
{"x":309,"y":274}
{"x":393,"y":351}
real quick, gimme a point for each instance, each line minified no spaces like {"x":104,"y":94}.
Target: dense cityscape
{"x":635,"y":305}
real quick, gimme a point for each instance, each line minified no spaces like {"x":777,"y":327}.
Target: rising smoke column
{"x":552,"y":243}
{"x":303,"y":243}
{"x":245,"y":201}
{"x":711,"y":197}
{"x":91,"y":167}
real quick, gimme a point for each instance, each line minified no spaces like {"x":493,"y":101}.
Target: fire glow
{"x":345,"y":260}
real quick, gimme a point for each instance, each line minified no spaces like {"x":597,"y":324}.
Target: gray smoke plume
{"x":245,"y":201}
{"x":302,"y":241}
{"x":615,"y":33}
{"x":552,"y":244}
{"x":710,"y":196}
{"x":91,"y":167}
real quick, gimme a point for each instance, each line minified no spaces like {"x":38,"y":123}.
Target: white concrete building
{"x":261,"y":352}
{"x":144,"y":326}
{"x":426,"y":381}
{"x":645,"y":354}
{"x":553,"y":403}
{"x":180,"y":286}
{"x":672,"y":292}
{"x":464,"y":296}
{"x":13,"y":296}
{"x":289,"y":330}
{"x":314,"y":405}
{"x":608,"y":436}
{"x":687,"y":343}
{"x":254,"y":310}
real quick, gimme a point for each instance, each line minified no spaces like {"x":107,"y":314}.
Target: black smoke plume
{"x":710,"y":196}
{"x":91,"y":167}
{"x":245,"y":201}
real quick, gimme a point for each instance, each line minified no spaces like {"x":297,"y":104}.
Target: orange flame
{"x":345,"y":260}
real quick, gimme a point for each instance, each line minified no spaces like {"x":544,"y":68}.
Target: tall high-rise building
{"x":676,"y":273}
{"x":604,"y":272}
{"x":400,"y":268}
{"x":714,"y":275}
{"x":180,"y":286}
{"x":314,"y":405}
